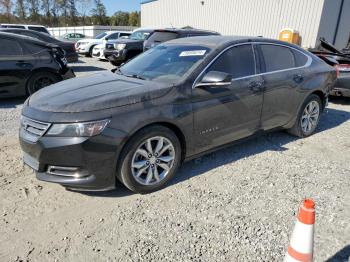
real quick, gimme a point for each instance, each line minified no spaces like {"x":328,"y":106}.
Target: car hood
{"x":96,"y":92}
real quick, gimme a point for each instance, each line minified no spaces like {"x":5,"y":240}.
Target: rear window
{"x":10,"y":47}
{"x":277,"y":57}
{"x":300,"y":58}
{"x":160,"y":37}
{"x":38,"y":29}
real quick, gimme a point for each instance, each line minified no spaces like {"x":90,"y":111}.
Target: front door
{"x":226,"y":113}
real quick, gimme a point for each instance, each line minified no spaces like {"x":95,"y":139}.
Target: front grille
{"x":34,"y":129}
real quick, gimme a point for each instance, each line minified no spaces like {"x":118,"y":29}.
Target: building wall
{"x":237,"y":17}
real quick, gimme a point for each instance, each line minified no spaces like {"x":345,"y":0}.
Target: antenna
{"x":172,"y":26}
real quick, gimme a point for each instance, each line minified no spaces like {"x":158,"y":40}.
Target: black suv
{"x":68,"y":47}
{"x":27,"y":65}
{"x":124,"y":49}
{"x":163,"y":35}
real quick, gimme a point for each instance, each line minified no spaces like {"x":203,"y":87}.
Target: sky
{"x":123,"y":5}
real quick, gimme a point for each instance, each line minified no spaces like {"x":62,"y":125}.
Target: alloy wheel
{"x":310,"y":116}
{"x":153,"y":160}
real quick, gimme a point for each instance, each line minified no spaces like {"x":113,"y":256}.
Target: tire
{"x":299,"y":129}
{"x":40,"y":80}
{"x":90,"y":52}
{"x":150,"y":167}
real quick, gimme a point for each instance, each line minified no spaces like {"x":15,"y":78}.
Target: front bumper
{"x":79,"y":163}
{"x":116,"y":55}
{"x":98,"y":53}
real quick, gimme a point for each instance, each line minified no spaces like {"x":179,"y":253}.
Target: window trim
{"x":307,"y":64}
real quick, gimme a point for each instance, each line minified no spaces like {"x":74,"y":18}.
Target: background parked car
{"x":124,"y":49}
{"x":68,"y":47}
{"x":341,"y":61}
{"x":162,"y":35}
{"x":98,"y":51}
{"x":86,"y":46}
{"x":27,"y":65}
{"x":38,"y":28}
{"x":75,"y":37}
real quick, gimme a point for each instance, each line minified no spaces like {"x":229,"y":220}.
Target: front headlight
{"x":119,"y":46}
{"x":86,"y":129}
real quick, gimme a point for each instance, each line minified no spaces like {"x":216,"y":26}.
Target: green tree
{"x":99,"y":13}
{"x":33,"y":10}
{"x":6,"y":6}
{"x":134,"y":19}
{"x":21,"y":11}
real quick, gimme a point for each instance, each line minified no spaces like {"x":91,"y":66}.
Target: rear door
{"x":226,"y":113}
{"x":15,"y":67}
{"x":284,"y":70}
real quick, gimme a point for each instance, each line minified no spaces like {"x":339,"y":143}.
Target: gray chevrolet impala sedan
{"x":172,"y":103}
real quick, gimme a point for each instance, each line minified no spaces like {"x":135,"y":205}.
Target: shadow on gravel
{"x":120,"y":191}
{"x":11,"y":102}
{"x":269,"y":142}
{"x":86,"y":68}
{"x":342,"y":255}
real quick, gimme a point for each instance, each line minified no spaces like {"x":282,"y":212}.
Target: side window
{"x":10,"y":48}
{"x":113,"y":36}
{"x":277,"y":57}
{"x":300,"y":59}
{"x":124,"y":34}
{"x":238,"y":61}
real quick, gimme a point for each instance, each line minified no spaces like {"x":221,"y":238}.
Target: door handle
{"x":298,"y":78}
{"x":256,"y":86}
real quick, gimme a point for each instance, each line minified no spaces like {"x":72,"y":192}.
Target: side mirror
{"x":215,"y":78}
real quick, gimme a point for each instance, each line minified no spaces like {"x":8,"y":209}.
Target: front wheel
{"x":308,"y":117}
{"x":150,"y":159}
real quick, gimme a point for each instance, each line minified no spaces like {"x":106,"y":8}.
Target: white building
{"x":312,"y":18}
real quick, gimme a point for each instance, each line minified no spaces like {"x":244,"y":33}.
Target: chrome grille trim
{"x":33,"y":127}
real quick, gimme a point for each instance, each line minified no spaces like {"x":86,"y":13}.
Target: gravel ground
{"x":237,"y":204}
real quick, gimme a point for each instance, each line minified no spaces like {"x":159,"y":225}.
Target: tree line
{"x":53,"y":13}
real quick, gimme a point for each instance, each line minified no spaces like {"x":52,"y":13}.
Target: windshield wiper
{"x":119,"y":72}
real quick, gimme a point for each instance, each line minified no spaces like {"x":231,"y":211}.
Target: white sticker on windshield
{"x":193,"y":53}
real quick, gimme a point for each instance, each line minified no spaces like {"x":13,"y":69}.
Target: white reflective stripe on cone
{"x":302,"y":238}
{"x":288,"y":258}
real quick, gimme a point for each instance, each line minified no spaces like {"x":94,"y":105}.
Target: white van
{"x":38,"y":28}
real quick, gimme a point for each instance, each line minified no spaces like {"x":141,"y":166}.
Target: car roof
{"x":220,"y":41}
{"x":20,"y":30}
{"x":186,"y":31}
{"x":23,"y":38}
{"x":22,"y":25}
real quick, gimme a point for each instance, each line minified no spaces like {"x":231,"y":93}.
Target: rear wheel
{"x":40,"y":80}
{"x":308,"y":117}
{"x":150,"y":159}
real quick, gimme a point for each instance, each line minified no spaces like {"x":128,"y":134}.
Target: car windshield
{"x":165,"y":63}
{"x":139,"y":35}
{"x":100,"y":36}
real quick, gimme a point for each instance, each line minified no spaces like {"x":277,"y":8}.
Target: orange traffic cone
{"x":301,"y":244}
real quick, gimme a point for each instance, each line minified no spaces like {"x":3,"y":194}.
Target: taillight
{"x":341,"y":68}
